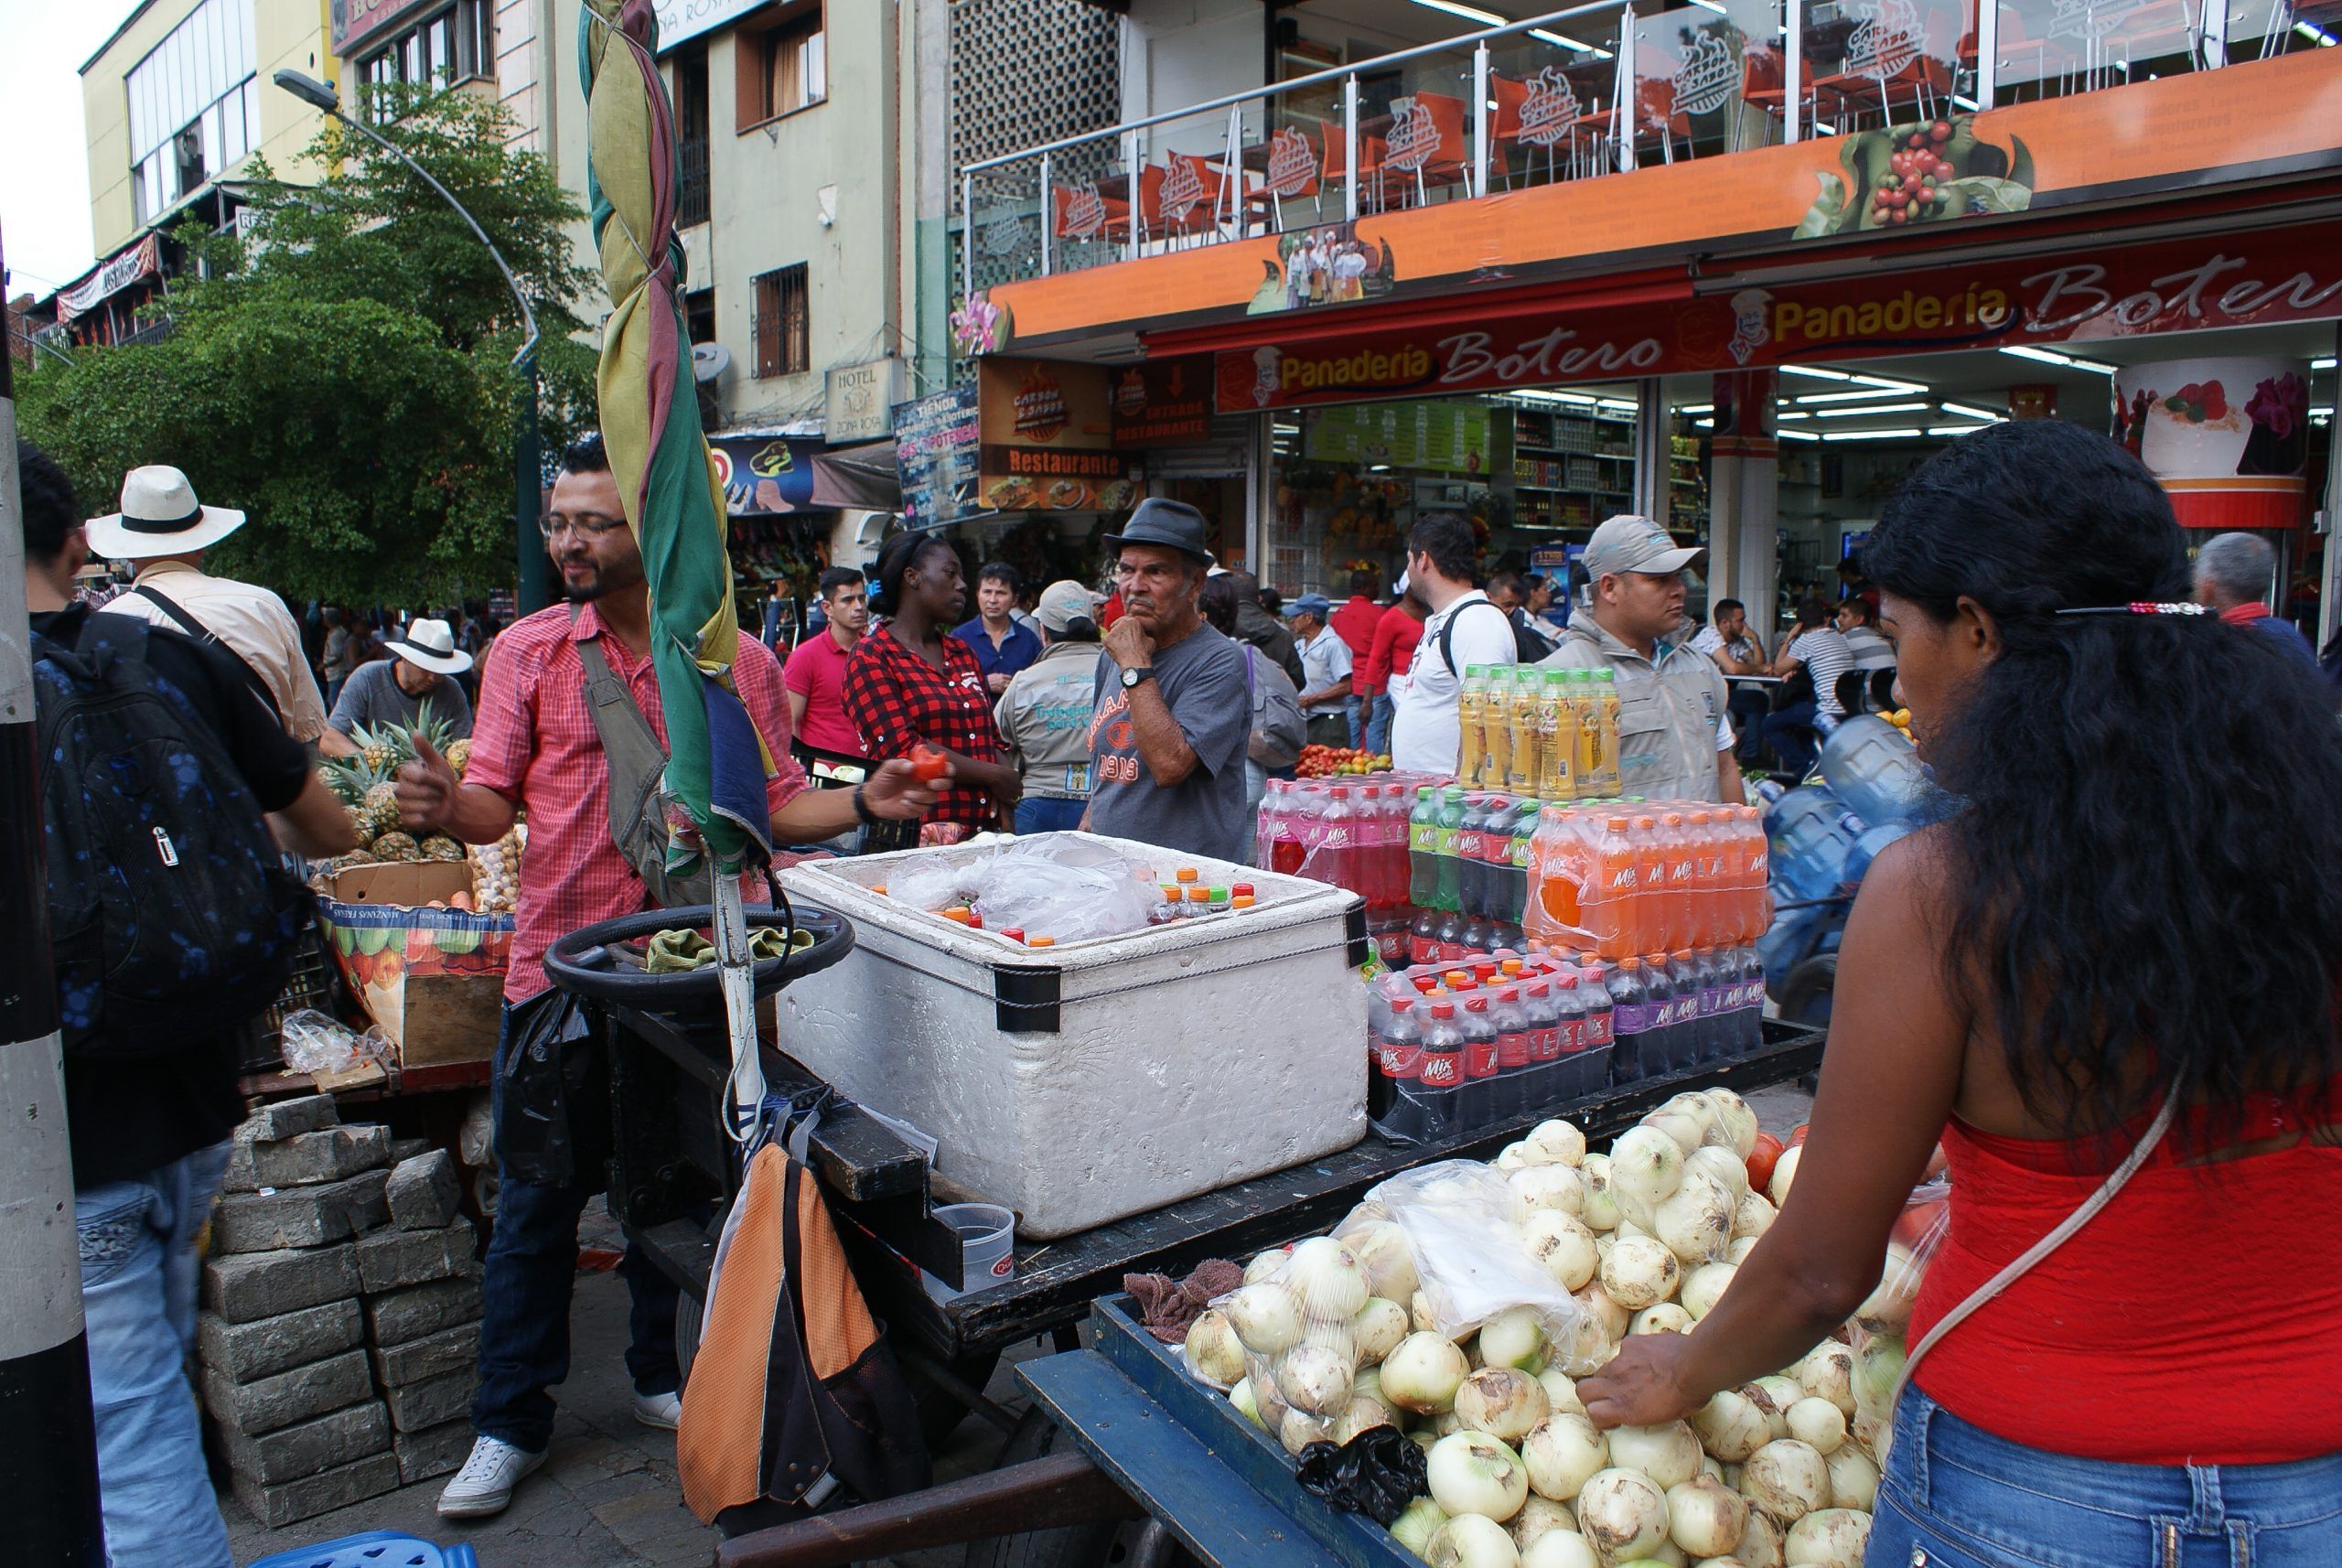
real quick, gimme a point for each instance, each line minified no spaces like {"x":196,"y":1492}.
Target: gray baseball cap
{"x":1634,"y":544}
{"x":1316,"y":605}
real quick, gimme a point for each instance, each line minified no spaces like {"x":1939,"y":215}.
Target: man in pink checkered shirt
{"x":534,"y":747}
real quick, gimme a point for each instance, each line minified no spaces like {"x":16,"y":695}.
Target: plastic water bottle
{"x":1872,"y":767}
{"x":1811,"y":832}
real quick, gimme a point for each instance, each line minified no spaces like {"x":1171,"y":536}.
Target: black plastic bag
{"x":1377,"y":1473}
{"x":553,"y":1123}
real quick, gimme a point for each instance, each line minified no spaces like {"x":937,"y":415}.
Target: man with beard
{"x":1172,"y":709}
{"x":535,"y":747}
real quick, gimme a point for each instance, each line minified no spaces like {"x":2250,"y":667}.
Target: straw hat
{"x":159,"y":516}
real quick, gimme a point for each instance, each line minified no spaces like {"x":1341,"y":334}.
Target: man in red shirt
{"x":1354,"y":623}
{"x":1393,"y":650}
{"x":534,"y":747}
{"x":827,"y":746}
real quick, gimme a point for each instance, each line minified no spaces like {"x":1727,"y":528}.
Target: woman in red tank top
{"x":2131,"y":904}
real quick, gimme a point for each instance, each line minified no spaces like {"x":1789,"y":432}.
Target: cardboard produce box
{"x":433,"y":979}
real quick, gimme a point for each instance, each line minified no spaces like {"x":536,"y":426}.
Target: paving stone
{"x":432,"y":1355}
{"x":242,"y":1352}
{"x":312,"y":1447}
{"x":289,"y":1118}
{"x":266,"y":1404}
{"x":249,"y":1286}
{"x":404,"y":1315}
{"x":240,"y":1176}
{"x":407,"y":1148}
{"x":425,"y":1192}
{"x":415,"y":1407}
{"x":300,"y":1216}
{"x":277,"y":1505}
{"x":330,"y":1153}
{"x":436,"y":1451}
{"x":389,"y":1260}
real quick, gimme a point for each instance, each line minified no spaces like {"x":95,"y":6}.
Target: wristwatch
{"x":1135,"y":673}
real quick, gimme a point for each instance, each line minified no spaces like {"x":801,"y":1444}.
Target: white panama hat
{"x":159,"y":516}
{"x":429,"y":644}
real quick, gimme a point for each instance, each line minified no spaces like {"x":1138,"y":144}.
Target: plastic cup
{"x":987,"y":1243}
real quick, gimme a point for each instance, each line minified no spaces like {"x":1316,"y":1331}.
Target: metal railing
{"x":1678,"y":76}
{"x":691,"y":193}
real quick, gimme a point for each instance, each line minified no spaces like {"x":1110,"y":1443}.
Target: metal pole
{"x":49,"y":1443}
{"x":1793,"y":71}
{"x":1652,"y":450}
{"x":1988,"y":52}
{"x":1480,"y":121}
{"x":2329,"y":601}
{"x":1048,"y":213}
{"x":967,"y":238}
{"x":1137,"y":216}
{"x":1349,"y":147}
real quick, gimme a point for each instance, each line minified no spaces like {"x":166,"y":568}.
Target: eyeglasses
{"x":587,"y":527}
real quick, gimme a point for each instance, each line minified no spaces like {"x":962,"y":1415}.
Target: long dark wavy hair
{"x":2146,"y":874}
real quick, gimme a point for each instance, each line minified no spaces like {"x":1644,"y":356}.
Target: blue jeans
{"x":1351,"y":710}
{"x":1378,"y":724}
{"x":1790,"y":732}
{"x":524,"y":1300}
{"x":1039,"y":814}
{"x":139,"y":1272}
{"x":1956,"y":1496}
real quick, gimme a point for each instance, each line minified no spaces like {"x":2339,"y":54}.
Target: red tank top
{"x":2197,"y":1320}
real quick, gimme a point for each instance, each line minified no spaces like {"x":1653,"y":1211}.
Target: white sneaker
{"x":664,"y":1411}
{"x":484,"y":1485}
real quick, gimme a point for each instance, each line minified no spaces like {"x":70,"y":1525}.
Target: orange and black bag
{"x":793,"y":1395}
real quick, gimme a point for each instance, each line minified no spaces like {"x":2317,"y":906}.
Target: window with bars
{"x":781,"y":68}
{"x":455,"y":45}
{"x":690,"y":132}
{"x":782,"y":330}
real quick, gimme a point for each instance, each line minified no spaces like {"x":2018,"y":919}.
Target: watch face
{"x":1131,"y":678}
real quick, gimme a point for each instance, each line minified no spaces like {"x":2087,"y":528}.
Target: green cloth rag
{"x":673,"y":952}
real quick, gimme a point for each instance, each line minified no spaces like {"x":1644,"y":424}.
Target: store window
{"x":457,"y":44}
{"x":194,"y":107}
{"x":782,"y":327}
{"x":782,"y":66}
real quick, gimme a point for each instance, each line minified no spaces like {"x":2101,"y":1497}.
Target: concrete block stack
{"x":340,"y":1310}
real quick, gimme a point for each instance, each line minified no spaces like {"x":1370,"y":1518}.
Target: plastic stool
{"x":372,"y":1549}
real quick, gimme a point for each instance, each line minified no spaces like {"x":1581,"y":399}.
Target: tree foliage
{"x":343,"y":373}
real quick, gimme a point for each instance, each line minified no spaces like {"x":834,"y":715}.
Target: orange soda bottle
{"x":1650,"y":917}
{"x":1611,"y":906}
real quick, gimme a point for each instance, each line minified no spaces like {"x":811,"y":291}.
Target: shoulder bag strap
{"x":2063,"y":1232}
{"x":637,"y":763}
{"x":195,"y":629}
{"x":1447,"y":634}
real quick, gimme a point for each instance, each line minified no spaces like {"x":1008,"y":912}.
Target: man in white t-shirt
{"x":1814,"y":650}
{"x":1426,"y":734}
{"x":1858,"y":624}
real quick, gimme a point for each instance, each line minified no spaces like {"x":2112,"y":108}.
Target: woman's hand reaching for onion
{"x":1643,"y":1384}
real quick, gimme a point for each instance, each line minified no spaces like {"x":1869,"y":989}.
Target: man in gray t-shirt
{"x":393,"y":691}
{"x":1173,"y":711}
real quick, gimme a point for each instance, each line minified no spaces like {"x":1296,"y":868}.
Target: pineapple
{"x":439,"y":732}
{"x":378,"y":750}
{"x":439,"y":846}
{"x":396,"y":845}
{"x":460,"y":754}
{"x":378,"y":816}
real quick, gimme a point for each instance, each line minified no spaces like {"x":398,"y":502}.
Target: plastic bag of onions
{"x":1876,"y":1332}
{"x":1304,"y":1325}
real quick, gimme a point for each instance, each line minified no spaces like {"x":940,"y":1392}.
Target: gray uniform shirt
{"x":371,"y":697}
{"x":1202,"y":680}
{"x":1045,"y":718}
{"x":1671,"y":712}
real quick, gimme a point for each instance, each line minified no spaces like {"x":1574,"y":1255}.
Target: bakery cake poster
{"x":1049,"y":439}
{"x":2228,"y":438}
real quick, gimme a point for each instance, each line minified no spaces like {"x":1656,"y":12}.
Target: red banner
{"x":2174,"y":286}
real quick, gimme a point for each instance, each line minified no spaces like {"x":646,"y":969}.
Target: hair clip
{"x":2135,"y":607}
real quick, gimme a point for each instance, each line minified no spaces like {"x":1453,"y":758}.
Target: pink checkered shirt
{"x":533,"y":743}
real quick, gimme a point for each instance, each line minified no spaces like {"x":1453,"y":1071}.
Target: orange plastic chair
{"x":1444,"y":160}
{"x":1372,"y":174}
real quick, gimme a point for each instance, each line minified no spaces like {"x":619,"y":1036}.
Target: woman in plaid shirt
{"x":911,"y":681}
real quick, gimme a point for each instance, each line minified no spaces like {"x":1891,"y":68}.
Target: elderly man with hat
{"x":1326,"y":701}
{"x":1172,"y":711}
{"x":395,"y":690}
{"x":1675,"y":732}
{"x":164,"y":531}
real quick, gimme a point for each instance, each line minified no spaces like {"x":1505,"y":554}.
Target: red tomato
{"x":1797,"y":1133}
{"x":930,"y":764}
{"x":1761,"y":1160}
{"x":1917,"y":1222}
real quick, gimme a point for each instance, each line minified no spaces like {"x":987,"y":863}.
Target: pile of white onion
{"x":1780,"y":1473}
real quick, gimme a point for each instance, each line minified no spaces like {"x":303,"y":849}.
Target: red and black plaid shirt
{"x":897,"y":698}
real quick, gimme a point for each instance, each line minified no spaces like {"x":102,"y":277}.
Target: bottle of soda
{"x":1423,"y":849}
{"x":1708,"y":980}
{"x":1264,"y":825}
{"x":1294,"y":826}
{"x":1707,"y":876}
{"x":1468,"y":854}
{"x":1471,"y":698}
{"x":1451,"y":823}
{"x":1751,"y":1031}
{"x":1682,"y":873}
{"x":1565,"y":1040}
{"x":1333,"y":852}
{"x":1690,"y":1045}
{"x":1525,"y":817}
{"x":1508,"y":1090}
{"x":1398,"y":1070}
{"x":1482,"y":1058}
{"x":1600,"y":1030}
{"x":1439,"y":1074}
{"x":1630,"y":1021}
{"x":1422,"y":937}
{"x":1496,"y":860}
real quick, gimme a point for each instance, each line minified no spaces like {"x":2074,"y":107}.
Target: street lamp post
{"x":534,"y":587}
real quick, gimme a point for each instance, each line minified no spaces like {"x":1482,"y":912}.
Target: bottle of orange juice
{"x":1605,"y":707}
{"x":1471,"y":699}
{"x":1523,"y":776}
{"x":1495,"y":728}
{"x":1556,"y":738}
{"x":1592,"y":757}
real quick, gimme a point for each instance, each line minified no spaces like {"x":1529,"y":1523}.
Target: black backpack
{"x":1529,"y":645}
{"x":172,"y":916}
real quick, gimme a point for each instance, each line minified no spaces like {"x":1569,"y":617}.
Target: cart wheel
{"x":1128,"y":1543}
{"x":689,"y":1309}
{"x":1805,"y":991}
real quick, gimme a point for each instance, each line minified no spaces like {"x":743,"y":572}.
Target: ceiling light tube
{"x":1965,"y":410}
{"x":1800,"y":435}
{"x":1872,"y":435}
{"x":1855,"y":396}
{"x":1816,"y":373}
{"x":1865,"y":412}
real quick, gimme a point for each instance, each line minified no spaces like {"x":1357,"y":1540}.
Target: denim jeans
{"x":1040,"y":814}
{"x":1352,"y":710}
{"x":524,"y":1301}
{"x":1954,"y":1496}
{"x":1378,"y":724}
{"x":1790,"y":732}
{"x":139,"y":1274}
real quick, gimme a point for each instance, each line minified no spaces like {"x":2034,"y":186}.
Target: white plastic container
{"x":1084,"y":1083}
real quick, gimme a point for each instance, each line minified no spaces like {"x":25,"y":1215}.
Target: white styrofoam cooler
{"x":1082,"y":1083}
